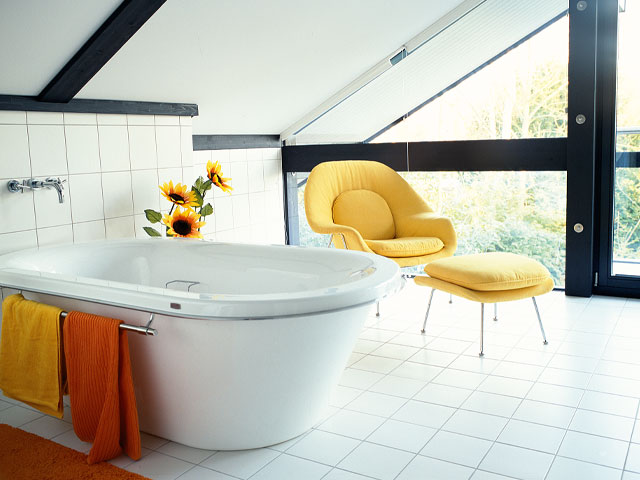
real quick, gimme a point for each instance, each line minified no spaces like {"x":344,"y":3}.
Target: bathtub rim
{"x":388,"y":280}
{"x":176,"y":314}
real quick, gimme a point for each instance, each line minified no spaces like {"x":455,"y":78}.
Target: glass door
{"x":625,"y":258}
{"x":618,"y":267}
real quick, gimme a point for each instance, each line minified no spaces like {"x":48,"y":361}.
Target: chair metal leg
{"x":535,"y":304}
{"x":481,"y":329}
{"x":450,"y":298}
{"x":428,"y":308}
{"x":495,"y":312}
{"x":377,"y":309}
{"x":330,"y":240}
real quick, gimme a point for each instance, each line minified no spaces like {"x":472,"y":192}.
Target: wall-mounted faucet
{"x":15,"y":186}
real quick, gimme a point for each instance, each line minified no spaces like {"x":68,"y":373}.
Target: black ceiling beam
{"x":31,"y":104}
{"x":123,"y":23}
{"x":229,"y":142}
{"x":530,"y":154}
{"x":517,"y":154}
{"x":302,"y":158}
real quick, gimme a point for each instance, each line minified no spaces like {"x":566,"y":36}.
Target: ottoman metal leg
{"x":377,"y":309}
{"x":544,"y":337}
{"x":428,"y":308}
{"x":450,"y":298}
{"x":482,"y":329}
{"x":495,"y":312}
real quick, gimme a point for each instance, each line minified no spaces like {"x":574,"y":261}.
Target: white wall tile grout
{"x":104,"y":215}
{"x":31,"y":176}
{"x":245,"y":221}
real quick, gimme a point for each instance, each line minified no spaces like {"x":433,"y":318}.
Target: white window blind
{"x":459,"y":49}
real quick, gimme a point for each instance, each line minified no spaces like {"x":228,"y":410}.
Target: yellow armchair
{"x":367,"y":206}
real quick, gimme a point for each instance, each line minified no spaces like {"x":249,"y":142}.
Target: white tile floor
{"x":413,"y":406}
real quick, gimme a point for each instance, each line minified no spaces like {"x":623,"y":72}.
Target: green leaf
{"x":206,"y":186}
{"x":152,"y":232}
{"x":199,"y":198}
{"x":206,"y":210}
{"x":198,"y":184}
{"x":153,"y":216}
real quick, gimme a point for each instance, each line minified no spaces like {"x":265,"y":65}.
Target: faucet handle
{"x":56,"y":180}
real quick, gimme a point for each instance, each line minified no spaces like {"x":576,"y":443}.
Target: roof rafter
{"x":121,"y":25}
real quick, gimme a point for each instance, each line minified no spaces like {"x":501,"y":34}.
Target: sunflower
{"x":179,"y":194}
{"x":215,"y":175}
{"x":183,"y":223}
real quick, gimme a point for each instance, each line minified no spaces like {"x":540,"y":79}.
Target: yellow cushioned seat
{"x":489,"y":271}
{"x":367,"y":212}
{"x":369,"y":207}
{"x":405,"y":247}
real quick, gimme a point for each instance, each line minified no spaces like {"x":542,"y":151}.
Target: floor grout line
{"x":521,"y":343}
{"x":575,"y":411}
{"x":626,"y":457}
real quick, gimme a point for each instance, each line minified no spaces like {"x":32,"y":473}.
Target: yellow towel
{"x":30,"y":354}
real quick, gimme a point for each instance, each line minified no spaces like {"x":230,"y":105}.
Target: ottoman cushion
{"x":489,"y":271}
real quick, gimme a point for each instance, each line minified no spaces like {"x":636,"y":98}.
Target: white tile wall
{"x":168,"y":141}
{"x":14,"y":153}
{"x":13,"y":118}
{"x":80,"y":119}
{"x":48,"y":150}
{"x":83,"y":154}
{"x":113,"y":165}
{"x":142,"y":141}
{"x":253,"y":213}
{"x":118,"y":194}
{"x":114,"y":148}
{"x":86,"y":201}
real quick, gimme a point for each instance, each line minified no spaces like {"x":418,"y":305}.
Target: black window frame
{"x":585,"y":154}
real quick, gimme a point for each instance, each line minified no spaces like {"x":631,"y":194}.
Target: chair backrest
{"x":362,"y":194}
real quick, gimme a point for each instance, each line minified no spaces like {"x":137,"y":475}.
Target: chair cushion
{"x":489,"y":271}
{"x":406,"y":247}
{"x":367,"y":212}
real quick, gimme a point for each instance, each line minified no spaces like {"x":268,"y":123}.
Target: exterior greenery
{"x":626,"y":220}
{"x":519,"y":212}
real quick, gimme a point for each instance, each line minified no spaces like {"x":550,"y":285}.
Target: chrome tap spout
{"x":54,"y":183}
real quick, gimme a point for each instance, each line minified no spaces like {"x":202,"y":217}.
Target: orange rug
{"x":24,"y":456}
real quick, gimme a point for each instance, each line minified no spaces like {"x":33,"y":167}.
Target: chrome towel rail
{"x":146,"y":330}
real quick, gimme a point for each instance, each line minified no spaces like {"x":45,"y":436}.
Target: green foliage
{"x":517,"y":212}
{"x":201,"y":186}
{"x":152,"y":232}
{"x":206,"y":210}
{"x":626,"y":221}
{"x":153,"y":216}
{"x":199,"y":197}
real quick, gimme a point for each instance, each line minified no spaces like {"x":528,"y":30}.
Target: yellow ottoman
{"x":488,"y":278}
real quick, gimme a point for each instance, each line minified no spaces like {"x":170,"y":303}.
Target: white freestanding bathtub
{"x":251,"y":339}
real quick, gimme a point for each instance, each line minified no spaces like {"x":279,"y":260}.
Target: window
{"x":518,"y":212}
{"x":523,"y":94}
{"x":470,"y":42}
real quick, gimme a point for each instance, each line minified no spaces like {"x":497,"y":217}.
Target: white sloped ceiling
{"x":252,"y":66}
{"x":38,"y":37}
{"x":256,"y":66}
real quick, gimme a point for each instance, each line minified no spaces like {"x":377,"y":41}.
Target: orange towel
{"x":103,"y":403}
{"x":31,"y":365}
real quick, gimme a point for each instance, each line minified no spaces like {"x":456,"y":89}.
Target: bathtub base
{"x":230,"y":384}
{"x":251,"y":384}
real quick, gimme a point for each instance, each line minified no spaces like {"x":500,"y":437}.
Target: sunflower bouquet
{"x":188,"y":210}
